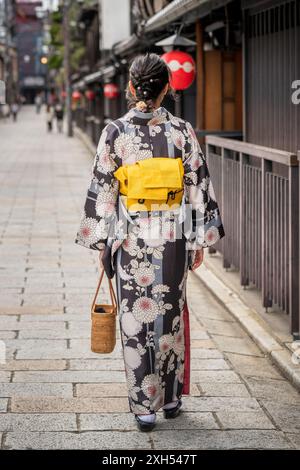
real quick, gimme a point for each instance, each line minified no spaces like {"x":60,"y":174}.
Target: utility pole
{"x":67,"y":69}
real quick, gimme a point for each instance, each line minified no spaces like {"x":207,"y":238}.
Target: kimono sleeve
{"x":99,"y":212}
{"x":207,"y":227}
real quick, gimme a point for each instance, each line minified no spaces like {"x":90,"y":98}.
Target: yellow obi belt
{"x":151,"y":184}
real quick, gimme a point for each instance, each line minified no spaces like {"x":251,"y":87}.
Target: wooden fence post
{"x":294,"y":249}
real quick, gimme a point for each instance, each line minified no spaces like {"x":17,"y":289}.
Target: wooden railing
{"x":258,"y":193}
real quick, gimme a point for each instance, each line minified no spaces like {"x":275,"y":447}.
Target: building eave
{"x":189,"y":10}
{"x":104,"y":73}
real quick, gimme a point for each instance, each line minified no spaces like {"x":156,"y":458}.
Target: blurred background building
{"x":8,"y":52}
{"x":214,"y":30}
{"x":29,"y":32}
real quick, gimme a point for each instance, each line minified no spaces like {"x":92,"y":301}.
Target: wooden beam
{"x":200,"y":103}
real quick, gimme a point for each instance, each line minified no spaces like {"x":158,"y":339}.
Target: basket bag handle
{"x":111,"y":291}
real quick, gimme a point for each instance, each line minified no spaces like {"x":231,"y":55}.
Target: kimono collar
{"x":157,"y":116}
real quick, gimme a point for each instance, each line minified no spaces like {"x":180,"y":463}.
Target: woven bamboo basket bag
{"x":103,"y":316}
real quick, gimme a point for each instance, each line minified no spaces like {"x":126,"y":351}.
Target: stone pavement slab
{"x":36,"y":390}
{"x":13,"y":365}
{"x":286,"y":415}
{"x":51,"y":404}
{"x":221,"y":439}
{"x":124,"y":422}
{"x":101,"y":390}
{"x":221,"y":389}
{"x":236,"y":404}
{"x":84,"y":440}
{"x":239,"y":345}
{"x":38,"y":422}
{"x":253,"y":366}
{"x":73,"y":376}
{"x":271,"y":389}
{"x":244,"y":420}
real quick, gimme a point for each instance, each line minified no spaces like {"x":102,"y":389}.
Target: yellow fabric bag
{"x":152,"y":184}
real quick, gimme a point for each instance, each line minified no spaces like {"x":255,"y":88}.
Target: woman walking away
{"x":38,"y":103}
{"x":150,"y":210}
{"x":14,"y":110}
{"x":59,"y":114}
{"x":49,"y":117}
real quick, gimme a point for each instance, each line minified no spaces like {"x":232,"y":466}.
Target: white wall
{"x":114,"y":21}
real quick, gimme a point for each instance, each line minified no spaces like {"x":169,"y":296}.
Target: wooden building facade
{"x":272,"y":49}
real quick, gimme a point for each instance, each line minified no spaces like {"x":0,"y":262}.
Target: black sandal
{"x":143,"y":425}
{"x":173,"y":412}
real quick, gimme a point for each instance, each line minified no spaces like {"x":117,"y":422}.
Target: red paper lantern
{"x":63,"y":94}
{"x":183,"y":69}
{"x":90,"y":94}
{"x":76,"y":95}
{"x":111,"y":90}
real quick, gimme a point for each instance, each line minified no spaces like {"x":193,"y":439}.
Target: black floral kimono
{"x":150,"y":252}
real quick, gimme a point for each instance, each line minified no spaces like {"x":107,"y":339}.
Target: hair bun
{"x":141,"y":106}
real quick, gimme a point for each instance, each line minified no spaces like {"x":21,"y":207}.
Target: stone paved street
{"x":55,"y":393}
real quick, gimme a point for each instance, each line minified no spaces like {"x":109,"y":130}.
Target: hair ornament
{"x":141,"y":105}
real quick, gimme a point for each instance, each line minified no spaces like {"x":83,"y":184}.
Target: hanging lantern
{"x":111,"y":90}
{"x":63,"y":94}
{"x":90,"y":95}
{"x":76,"y":95}
{"x":183,"y":69}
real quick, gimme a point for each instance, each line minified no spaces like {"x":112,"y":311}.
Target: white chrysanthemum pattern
{"x":145,"y":309}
